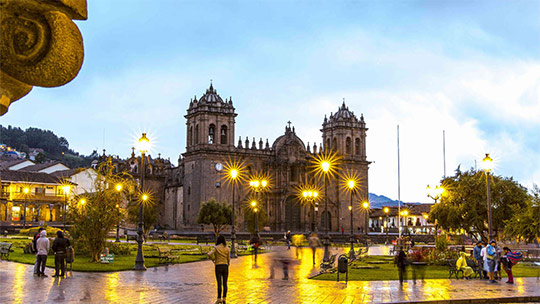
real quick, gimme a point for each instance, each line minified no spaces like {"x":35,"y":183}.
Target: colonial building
{"x":211,"y":143}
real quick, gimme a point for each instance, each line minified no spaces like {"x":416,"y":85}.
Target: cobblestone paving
{"x":195,"y":283}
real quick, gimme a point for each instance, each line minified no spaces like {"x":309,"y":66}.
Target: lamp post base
{"x":352,"y":256}
{"x":326,"y":243}
{"x":233,"y":248}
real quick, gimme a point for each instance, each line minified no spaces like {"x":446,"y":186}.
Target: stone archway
{"x":293,"y":212}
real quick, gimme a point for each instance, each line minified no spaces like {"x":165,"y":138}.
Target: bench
{"x":329,"y":264}
{"x":452,"y":269}
{"x":165,"y":255}
{"x":131,"y":235}
{"x":204,"y":239}
{"x":5,"y":249}
{"x":473,"y":264}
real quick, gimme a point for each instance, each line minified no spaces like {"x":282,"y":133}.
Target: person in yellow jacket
{"x":461,"y":264}
{"x":221,"y":256}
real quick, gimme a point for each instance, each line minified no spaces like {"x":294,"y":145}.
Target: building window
{"x":327,"y":144}
{"x":190,"y":136}
{"x":334,"y":144}
{"x":294,"y":174}
{"x":211,"y":132}
{"x":224,"y":135}
{"x":348,"y":144}
{"x":357,"y":146}
{"x":196,"y":134}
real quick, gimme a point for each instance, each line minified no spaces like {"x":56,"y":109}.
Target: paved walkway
{"x":194,"y":283}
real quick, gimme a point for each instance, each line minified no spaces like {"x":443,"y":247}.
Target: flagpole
{"x":398,"y":186}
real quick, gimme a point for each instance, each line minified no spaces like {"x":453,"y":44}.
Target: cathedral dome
{"x":211,"y":96}
{"x":343,"y":114}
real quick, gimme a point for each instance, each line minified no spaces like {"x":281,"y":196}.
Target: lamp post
{"x":310,"y":196}
{"x":26,"y":190}
{"x":351,"y":186}
{"x":258,"y":185}
{"x":143,"y":146}
{"x":325,"y":166}
{"x":488,"y":165}
{"x":66,"y":190}
{"x":386,"y":225}
{"x":435,"y":193}
{"x":404,"y":215}
{"x":233,"y":174}
{"x":119,"y":189}
{"x":365,"y":205}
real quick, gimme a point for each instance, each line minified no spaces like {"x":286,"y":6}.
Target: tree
{"x":216,"y":214}
{"x":525,"y":224}
{"x":150,"y":214}
{"x":100,"y":212}
{"x":465,"y":204}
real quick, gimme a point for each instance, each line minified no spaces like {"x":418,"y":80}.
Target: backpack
{"x":514,"y":257}
{"x":34,"y":244}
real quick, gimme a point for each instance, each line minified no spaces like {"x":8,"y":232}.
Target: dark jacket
{"x":402,"y":259}
{"x":476,"y":252}
{"x":60,"y":244}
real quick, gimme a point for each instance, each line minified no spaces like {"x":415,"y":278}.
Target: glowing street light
{"x":233,"y":174}
{"x":143,"y":145}
{"x":386,"y":226}
{"x":325,"y":165}
{"x":435,"y":193}
{"x":26,"y":190}
{"x":488,"y":166}
{"x":351,"y":186}
{"x":309,"y":194}
{"x":66,"y":189}
{"x":118,"y":188}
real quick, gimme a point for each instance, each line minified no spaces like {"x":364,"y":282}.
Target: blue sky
{"x":471,"y":68}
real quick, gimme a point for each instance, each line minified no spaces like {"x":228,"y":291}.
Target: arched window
{"x":348,"y":146}
{"x":211,"y":132}
{"x":334,"y":144}
{"x":357,"y":146}
{"x":190,"y":136}
{"x":196,"y":134}
{"x":327,"y":144}
{"x":224,"y":135}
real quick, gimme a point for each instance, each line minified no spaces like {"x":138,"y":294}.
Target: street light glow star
{"x":325,"y":164}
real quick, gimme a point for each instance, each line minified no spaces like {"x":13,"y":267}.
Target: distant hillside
{"x":49,"y":145}
{"x":379,"y":201}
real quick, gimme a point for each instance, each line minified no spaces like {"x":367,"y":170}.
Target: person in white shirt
{"x":483,"y":253}
{"x":42,"y":246}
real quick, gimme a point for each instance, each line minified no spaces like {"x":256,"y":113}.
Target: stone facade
{"x":210,"y":129}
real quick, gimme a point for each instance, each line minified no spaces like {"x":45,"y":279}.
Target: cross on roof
{"x":289,"y":122}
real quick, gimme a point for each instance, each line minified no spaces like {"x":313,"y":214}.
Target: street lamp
{"x":386,"y":226}
{"x":254,"y":206}
{"x":351,"y":186}
{"x":143,"y":146}
{"x":26,"y":190}
{"x":325,"y":165}
{"x":404,"y":214}
{"x":258,"y":184}
{"x":435,"y":193}
{"x":65,"y":189}
{"x":365,"y":205}
{"x":488,"y":166}
{"x":118,"y":189}
{"x":310,"y":194}
{"x":233,"y":175}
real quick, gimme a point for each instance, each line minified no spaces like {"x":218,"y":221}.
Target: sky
{"x":470,"y":68}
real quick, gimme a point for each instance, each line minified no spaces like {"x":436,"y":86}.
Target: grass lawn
{"x":388,"y":271}
{"x":185,"y":253}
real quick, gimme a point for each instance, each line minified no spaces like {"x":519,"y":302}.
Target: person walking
{"x":507,"y":264}
{"x":42,"y":246}
{"x":314,"y":242}
{"x":288,"y":239}
{"x":255,"y":242}
{"x":221,"y":256}
{"x":34,"y":249}
{"x":461,"y":264}
{"x":491,"y":255}
{"x":478,"y":257}
{"x":59,"y":247}
{"x":401,"y":262}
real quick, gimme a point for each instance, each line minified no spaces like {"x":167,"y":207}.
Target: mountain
{"x":379,"y":201}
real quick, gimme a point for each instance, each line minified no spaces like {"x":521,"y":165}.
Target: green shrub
{"x":118,"y":248}
{"x":51,"y":231}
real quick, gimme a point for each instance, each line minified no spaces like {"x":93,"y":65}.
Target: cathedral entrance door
{"x":292,"y":214}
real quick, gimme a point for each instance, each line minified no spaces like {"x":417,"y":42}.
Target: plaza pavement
{"x":195,"y":283}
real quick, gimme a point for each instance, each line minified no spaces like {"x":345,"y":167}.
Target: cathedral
{"x":211,"y":143}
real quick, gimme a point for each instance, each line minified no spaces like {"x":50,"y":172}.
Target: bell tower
{"x":345,"y":134}
{"x":210,"y":122}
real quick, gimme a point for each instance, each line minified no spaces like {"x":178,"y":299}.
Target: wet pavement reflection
{"x":248,"y":283}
